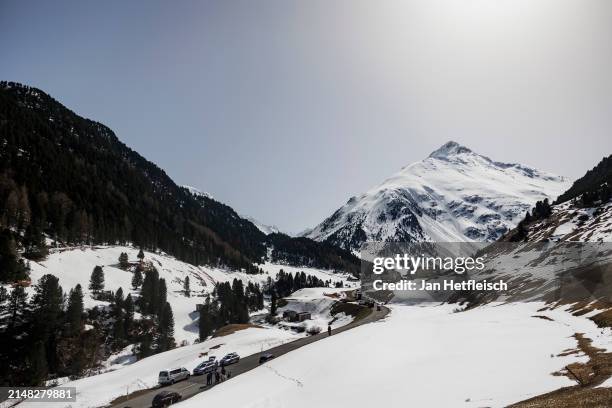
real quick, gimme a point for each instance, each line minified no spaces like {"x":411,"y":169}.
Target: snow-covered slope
{"x":99,"y":390}
{"x":565,"y":257}
{"x":454,"y":195}
{"x":571,"y":222}
{"x":74,"y":266}
{"x":197,"y":192}
{"x":422,"y":357}
{"x":266,"y":229}
{"x":123,"y":373}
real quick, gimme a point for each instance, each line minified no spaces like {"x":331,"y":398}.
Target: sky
{"x":284,"y":109}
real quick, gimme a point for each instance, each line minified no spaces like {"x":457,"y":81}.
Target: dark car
{"x":231,"y":358}
{"x":165,"y":398}
{"x":265,"y":357}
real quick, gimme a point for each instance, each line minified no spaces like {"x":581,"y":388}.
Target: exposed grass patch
{"x":603,"y":319}
{"x":587,"y":376}
{"x":543,"y":317}
{"x":358,"y":312}
{"x":233,"y":328}
{"x":568,"y":352}
{"x":584,"y":307}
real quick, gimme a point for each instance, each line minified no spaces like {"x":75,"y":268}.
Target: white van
{"x":172,"y":376}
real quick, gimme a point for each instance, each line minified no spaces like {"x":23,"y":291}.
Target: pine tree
{"x":16,"y":306}
{"x":186,"y":287}
{"x":74,"y":311}
{"x":140,"y":255}
{"x":162,"y":295}
{"x":12,"y":268}
{"x":273,"y":304}
{"x":47,"y":305}
{"x":149,"y":294}
{"x":129,"y":315}
{"x":208,"y":318}
{"x":37,"y":364}
{"x":166,"y":328}
{"x":137,"y":278}
{"x":3,"y":295}
{"x":24,"y":209}
{"x":78,"y":362}
{"x":144,"y":348}
{"x":34,"y":243}
{"x":11,"y":209}
{"x":96,"y":282}
{"x":123,"y":261}
{"x":260,"y":299}
{"x":118,"y":326}
{"x":119,"y":297}
{"x":239,"y":304}
{"x":46,"y":311}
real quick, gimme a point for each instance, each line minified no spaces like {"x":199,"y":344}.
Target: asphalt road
{"x":196,"y":384}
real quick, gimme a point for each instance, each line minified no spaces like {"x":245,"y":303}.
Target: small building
{"x":294,"y":316}
{"x":303,"y":316}
{"x":290,"y":315}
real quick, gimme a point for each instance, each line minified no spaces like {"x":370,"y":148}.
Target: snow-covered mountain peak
{"x":265,"y":228}
{"x":448,"y":149}
{"x":452,"y":195}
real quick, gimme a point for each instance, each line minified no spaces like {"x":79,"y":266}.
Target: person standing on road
{"x":217,"y":377}
{"x":209,"y":378}
{"x":329,"y":329}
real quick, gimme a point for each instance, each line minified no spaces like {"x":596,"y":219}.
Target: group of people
{"x":217,"y":375}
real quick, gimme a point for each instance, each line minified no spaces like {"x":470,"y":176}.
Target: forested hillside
{"x":582,"y":213}
{"x":307,"y":252}
{"x":593,"y":186}
{"x":72,"y":180}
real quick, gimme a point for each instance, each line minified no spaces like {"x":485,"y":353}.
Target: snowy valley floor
{"x":421,"y":356}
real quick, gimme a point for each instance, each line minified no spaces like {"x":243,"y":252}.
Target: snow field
{"x":423,"y":356}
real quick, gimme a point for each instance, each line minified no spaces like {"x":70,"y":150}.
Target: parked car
{"x":172,"y":376}
{"x":231,"y":358}
{"x":165,"y":398}
{"x":265,"y":357}
{"x":205,"y":367}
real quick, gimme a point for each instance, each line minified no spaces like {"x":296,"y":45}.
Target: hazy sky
{"x":284,"y":109}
